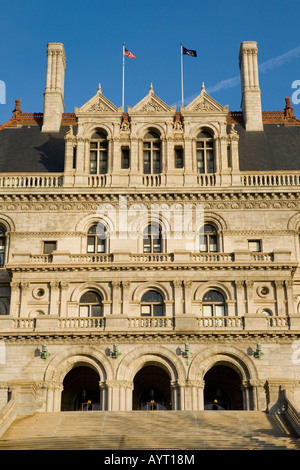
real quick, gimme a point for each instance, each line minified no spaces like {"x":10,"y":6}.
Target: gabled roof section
{"x":152,"y":104}
{"x":204,"y":103}
{"x":98,"y":104}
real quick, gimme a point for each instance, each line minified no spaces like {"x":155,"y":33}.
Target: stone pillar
{"x":15,"y":299}
{"x":251,"y":95}
{"x":116,"y":297}
{"x":54,"y":91}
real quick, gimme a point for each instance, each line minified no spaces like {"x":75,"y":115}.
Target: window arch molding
{"x":92,"y":129}
{"x":165,"y":291}
{"x":218,"y":224}
{"x":214,"y":303}
{"x":102,"y":290}
{"x":227,"y":292}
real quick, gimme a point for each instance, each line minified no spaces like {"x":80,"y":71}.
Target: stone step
{"x":149,"y":430}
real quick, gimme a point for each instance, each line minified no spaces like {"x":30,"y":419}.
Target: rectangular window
{"x":200,"y":161}
{"x":103,"y":163}
{"x":254,"y":245}
{"x":125,"y":158}
{"x":178,"y":157}
{"x":147,"y":165}
{"x":93,"y":162}
{"x":146,"y":311}
{"x":49,"y":247}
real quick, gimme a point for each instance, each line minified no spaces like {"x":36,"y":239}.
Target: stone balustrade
{"x":198,"y":324}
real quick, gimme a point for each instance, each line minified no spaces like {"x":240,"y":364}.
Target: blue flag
{"x":189,"y":52}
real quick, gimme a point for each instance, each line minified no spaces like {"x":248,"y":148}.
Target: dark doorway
{"x":81,"y":390}
{"x":222,"y":389}
{"x":152,"y":390}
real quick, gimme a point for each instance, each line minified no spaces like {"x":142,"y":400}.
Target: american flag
{"x":129,"y":54}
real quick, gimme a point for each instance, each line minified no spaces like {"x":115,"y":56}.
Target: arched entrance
{"x":152,"y":389}
{"x":222,"y":389}
{"x":81,"y":390}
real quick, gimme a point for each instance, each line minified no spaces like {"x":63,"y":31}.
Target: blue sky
{"x":93,"y":32}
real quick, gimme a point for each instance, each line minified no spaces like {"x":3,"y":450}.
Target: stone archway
{"x":238,"y":372}
{"x":152,"y":389}
{"x":73,"y":371}
{"x":223,"y":388}
{"x":81,"y":390}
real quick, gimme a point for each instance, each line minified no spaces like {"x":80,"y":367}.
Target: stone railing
{"x":265,"y":179}
{"x":292,"y":415}
{"x":151,"y":322}
{"x":7,"y":415}
{"x":221,"y":322}
{"x":151,"y":258}
{"x":181,"y":257}
{"x":47,"y":180}
{"x":91,"y":258}
{"x":124,"y":323}
{"x":212,"y":257}
{"x":206,"y":179}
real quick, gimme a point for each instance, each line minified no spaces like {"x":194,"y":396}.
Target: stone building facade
{"x":149,"y":259}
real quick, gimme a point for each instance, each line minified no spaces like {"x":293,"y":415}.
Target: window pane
{"x":49,"y":247}
{"x":93,"y":162}
{"x":210,"y":161}
{"x":200,"y":161}
{"x":147,"y":168}
{"x":101,"y":246}
{"x":254,"y":245}
{"x":203,"y":243}
{"x":145,"y":310}
{"x":96,"y":310}
{"x":103,"y":163}
{"x":156,"y":246}
{"x":91,"y":244}
{"x":212,"y":243}
{"x":156,"y":162}
{"x":147,"y":245}
{"x":158,"y":310}
{"x":125,"y":158}
{"x":207,"y":310}
{"x":178,"y":157}
{"x":83,"y":311}
{"x":220,"y":310}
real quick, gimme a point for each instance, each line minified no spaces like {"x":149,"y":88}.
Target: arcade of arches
{"x":154,"y":387}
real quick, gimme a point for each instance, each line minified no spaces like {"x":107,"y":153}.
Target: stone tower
{"x":251,"y":95}
{"x":54,"y":91}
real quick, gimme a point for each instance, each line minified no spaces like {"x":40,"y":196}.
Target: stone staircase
{"x":181,"y":430}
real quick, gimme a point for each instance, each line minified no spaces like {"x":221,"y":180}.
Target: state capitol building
{"x":149,"y":258}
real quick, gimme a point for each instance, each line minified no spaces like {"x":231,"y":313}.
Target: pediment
{"x":97,"y":104}
{"x":204,"y":103}
{"x":151,"y":104}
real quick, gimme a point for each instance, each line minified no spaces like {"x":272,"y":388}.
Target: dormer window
{"x":152,"y":153}
{"x":205,"y":152}
{"x":98,"y":154}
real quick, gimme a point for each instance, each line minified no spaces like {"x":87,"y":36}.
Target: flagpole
{"x":123,"y":76}
{"x":181,"y":76}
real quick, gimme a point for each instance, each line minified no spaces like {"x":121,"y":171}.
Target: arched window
{"x":205,"y":153}
{"x":152,"y":239}
{"x":152,"y":304}
{"x":98,"y":153}
{"x":152,"y":153}
{"x":214,"y":304}
{"x":2,"y":245}
{"x":90,"y":305}
{"x":208,"y":239}
{"x":96,"y":239}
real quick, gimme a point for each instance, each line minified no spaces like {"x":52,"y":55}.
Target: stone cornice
{"x":102,"y":338}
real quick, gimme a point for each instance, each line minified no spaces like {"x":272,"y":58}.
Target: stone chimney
{"x":54,"y":91}
{"x":251,"y":95}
